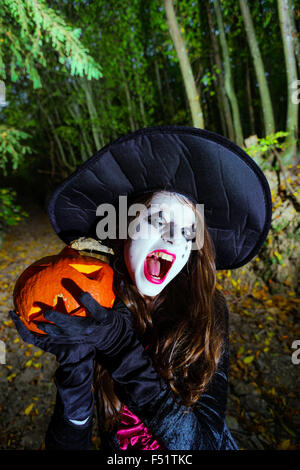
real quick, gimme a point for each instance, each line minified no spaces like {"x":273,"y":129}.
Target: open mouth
{"x":157,"y":265}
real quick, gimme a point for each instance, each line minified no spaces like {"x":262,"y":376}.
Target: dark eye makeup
{"x":189,"y":233}
{"x":158,"y":220}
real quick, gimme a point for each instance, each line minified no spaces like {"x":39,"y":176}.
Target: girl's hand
{"x":105,"y":331}
{"x":66,"y":353}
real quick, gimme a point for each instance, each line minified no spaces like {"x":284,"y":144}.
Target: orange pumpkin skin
{"x":42,"y":286}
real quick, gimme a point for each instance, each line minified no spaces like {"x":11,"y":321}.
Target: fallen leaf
{"x":248,"y":359}
{"x":38,"y":353}
{"x":11,"y":377}
{"x":28,"y":409}
{"x":284,"y":445}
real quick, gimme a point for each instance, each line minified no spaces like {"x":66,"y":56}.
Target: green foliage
{"x":29,"y":30}
{"x":264,"y":147}
{"x":266,"y":143}
{"x":68,"y":134}
{"x":10,"y":212}
{"x":208,"y":80}
{"x":12,"y":148}
{"x":50,"y":44}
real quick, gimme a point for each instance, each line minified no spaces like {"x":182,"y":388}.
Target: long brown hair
{"x":183,"y":326}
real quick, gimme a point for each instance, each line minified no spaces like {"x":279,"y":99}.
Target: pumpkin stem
{"x":83,"y":243}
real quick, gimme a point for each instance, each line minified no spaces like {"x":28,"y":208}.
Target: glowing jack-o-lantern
{"x":55,"y":282}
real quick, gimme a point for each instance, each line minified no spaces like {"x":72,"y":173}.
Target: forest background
{"x":75,"y":75}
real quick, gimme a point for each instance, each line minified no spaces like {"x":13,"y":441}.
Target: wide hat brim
{"x":205,"y":166}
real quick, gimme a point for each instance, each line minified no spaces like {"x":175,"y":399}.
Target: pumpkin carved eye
{"x":90,"y":271}
{"x":86,"y":268}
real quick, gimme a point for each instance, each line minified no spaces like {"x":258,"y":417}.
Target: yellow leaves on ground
{"x":38,"y":353}
{"x":248,"y":359}
{"x":35,"y":365}
{"x":11,"y":377}
{"x":284,"y":445}
{"x":29,"y":408}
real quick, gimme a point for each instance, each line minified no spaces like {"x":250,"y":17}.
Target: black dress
{"x":177,"y":427}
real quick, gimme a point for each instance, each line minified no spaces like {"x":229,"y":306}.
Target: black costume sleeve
{"x":74,"y":401}
{"x":62,"y":434}
{"x":184,"y":428}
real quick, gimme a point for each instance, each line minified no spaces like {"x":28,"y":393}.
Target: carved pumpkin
{"x":54,"y":283}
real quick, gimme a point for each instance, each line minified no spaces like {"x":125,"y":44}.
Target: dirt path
{"x":263,"y":406}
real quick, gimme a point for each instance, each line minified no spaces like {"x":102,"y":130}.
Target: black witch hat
{"x":206,"y":167}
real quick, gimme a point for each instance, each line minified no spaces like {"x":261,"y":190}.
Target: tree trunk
{"x":85,"y":147}
{"x":216,"y":85}
{"x":220,"y":83}
{"x":250,"y":105}
{"x":295,"y":34}
{"x":265,"y":96}
{"x":220,"y":110}
{"x":229,"y":87}
{"x":63,"y":159}
{"x":186,"y":70}
{"x":75,"y":113}
{"x":96,"y":131}
{"x":171,"y":101}
{"x":141,"y":99}
{"x":291,"y":72}
{"x":71,"y":153}
{"x":109,"y":112}
{"x":128,"y":99}
{"x":159,"y":85}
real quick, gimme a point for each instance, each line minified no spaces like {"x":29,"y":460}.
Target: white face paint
{"x":161,"y":245}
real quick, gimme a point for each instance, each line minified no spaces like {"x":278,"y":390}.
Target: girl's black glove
{"x":66,"y":352}
{"x":103,"y":330}
{"x":111,"y":332}
{"x":74,"y":377}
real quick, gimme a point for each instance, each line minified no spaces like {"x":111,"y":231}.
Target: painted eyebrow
{"x":189,"y":227}
{"x":153,"y":214}
{"x":160,"y":213}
